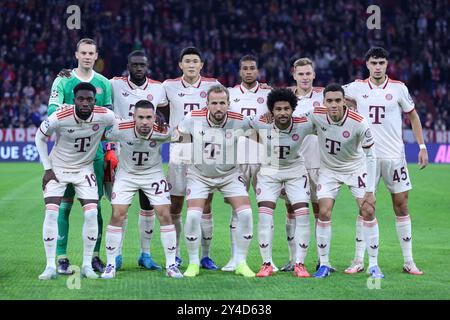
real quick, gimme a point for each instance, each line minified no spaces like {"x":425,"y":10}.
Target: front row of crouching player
{"x":346,"y":156}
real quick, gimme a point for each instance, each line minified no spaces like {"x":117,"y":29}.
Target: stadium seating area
{"x":277,"y":31}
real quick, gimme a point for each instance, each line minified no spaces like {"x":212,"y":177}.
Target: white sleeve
{"x":349,"y":90}
{"x":367,"y":139}
{"x":371,"y":164}
{"x":45,"y":130}
{"x":184,"y":127}
{"x":405,"y":100}
{"x":113,"y":133}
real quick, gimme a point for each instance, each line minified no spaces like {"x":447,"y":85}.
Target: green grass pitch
{"x":22,"y":256}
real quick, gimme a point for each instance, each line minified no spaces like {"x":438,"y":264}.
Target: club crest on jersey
{"x":295,"y":137}
{"x":260,"y":100}
{"x":228,"y":135}
{"x":152,"y":144}
{"x":316,"y":104}
{"x":149,"y":97}
{"x":125,"y":94}
{"x":99,"y":90}
{"x":346,"y":134}
{"x":203,"y":94}
{"x":95,"y":127}
{"x":389,"y":97}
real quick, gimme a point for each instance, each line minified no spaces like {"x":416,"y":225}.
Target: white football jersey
{"x":214,"y":146}
{"x":310,"y":146}
{"x":248,"y":102}
{"x":125,"y":95}
{"x":138,"y":155}
{"x":341,"y":143}
{"x":184,"y":97}
{"x":76,"y":140}
{"x":282,"y":146}
{"x":383,"y":106}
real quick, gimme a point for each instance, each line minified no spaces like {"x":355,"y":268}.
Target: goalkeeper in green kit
{"x":62,"y":92}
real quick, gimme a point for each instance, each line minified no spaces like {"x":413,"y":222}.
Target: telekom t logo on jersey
{"x":140,"y":157}
{"x":188,"y":107}
{"x":82,"y":143}
{"x":332,"y":146}
{"x":377,"y":114}
{"x":283,"y":151}
{"x":248,"y":111}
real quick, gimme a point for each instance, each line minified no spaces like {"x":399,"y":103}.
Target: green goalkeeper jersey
{"x":62,"y":92}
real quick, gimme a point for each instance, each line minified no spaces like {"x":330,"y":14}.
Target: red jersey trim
{"x":235,"y":115}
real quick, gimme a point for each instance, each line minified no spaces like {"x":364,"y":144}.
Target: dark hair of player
{"x":333,"y":87}
{"x":281,"y":94}
{"x":87,"y":41}
{"x":136,"y":53}
{"x":248,"y":57}
{"x":144,"y":104}
{"x":376,"y":52}
{"x":84,"y":86}
{"x":190,"y":50}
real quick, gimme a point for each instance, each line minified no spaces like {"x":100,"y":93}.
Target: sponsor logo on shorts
{"x":346,"y":134}
{"x":203,"y":94}
{"x":260,"y":100}
{"x":113,"y":195}
{"x":188,"y":191}
{"x":149,"y":97}
{"x":319,"y":186}
{"x":258,"y":191}
{"x":95,"y":127}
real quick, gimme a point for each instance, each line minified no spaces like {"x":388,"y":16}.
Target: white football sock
{"x":90,"y":232}
{"x":244,"y":232}
{"x":302,"y":234}
{"x":113,"y":240}
{"x":290,"y":235}
{"x":404,"y":233}
{"x":50,"y":233}
{"x":177,"y":221}
{"x":169,"y":242}
{"x":265,"y":233}
{"x":360,"y":243}
{"x":146,"y":224}
{"x":192,"y":234}
{"x":206,"y":224}
{"x":371,"y":236}
{"x":124,"y":229}
{"x":323,"y":233}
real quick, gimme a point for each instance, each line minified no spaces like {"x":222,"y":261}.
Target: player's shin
{"x":146,"y":224}
{"x":63,"y":229}
{"x":371,"y":236}
{"x":404,"y":233}
{"x":124,"y":229}
{"x":323,"y":233}
{"x":90,"y":232}
{"x":112,"y":243}
{"x":360,"y":243}
{"x":206,"y":224}
{"x":290,"y":235}
{"x":302,"y":234}
{"x":177,"y":221}
{"x":169,"y":241}
{"x":50,"y":233}
{"x":244,"y":232}
{"x":265,"y":233}
{"x":193,"y":233}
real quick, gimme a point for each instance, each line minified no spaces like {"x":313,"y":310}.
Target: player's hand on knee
{"x":368,"y":204}
{"x":65,"y":73}
{"x":48,"y":175}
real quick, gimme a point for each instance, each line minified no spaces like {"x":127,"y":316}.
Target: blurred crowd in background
{"x":36,"y":43}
